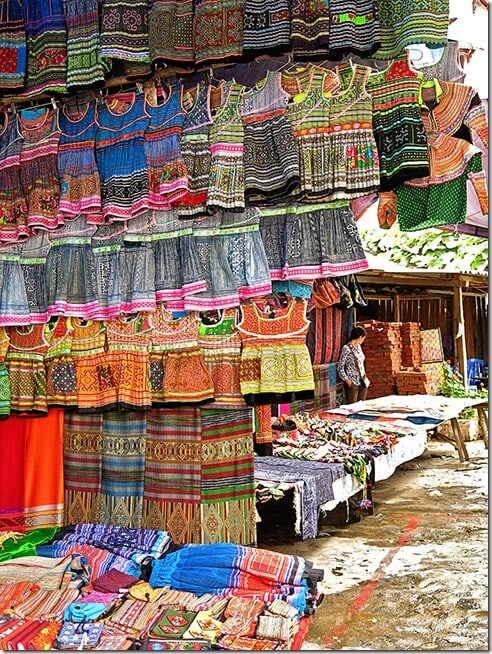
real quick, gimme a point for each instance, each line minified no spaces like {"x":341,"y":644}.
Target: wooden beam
{"x":459,"y":332}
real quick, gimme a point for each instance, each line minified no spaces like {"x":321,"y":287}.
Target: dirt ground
{"x":412,"y":576}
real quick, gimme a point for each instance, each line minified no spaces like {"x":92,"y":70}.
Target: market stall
{"x":315,"y":459}
{"x":326,"y":459}
{"x":425,"y":410}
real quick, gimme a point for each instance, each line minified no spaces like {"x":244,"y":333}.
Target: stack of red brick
{"x":394,"y":361}
{"x":417,"y":382}
{"x":383,"y":350}
{"x":411,"y":341}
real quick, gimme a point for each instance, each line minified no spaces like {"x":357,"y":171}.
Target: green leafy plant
{"x":430,"y":248}
{"x":454,"y":386}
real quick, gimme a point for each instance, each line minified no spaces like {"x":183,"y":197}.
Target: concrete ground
{"x":412,"y":576}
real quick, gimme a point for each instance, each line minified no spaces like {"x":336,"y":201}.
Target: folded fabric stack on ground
{"x":103,"y":587}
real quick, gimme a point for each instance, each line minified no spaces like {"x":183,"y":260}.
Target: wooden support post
{"x":459,"y":440}
{"x":484,"y":424}
{"x":459,"y":335}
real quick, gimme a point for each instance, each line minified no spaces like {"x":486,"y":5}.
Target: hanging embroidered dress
{"x":171,"y":31}
{"x":85,"y":66}
{"x":178,"y":269}
{"x":80,"y":188}
{"x":195,"y":148}
{"x":220,"y":344}
{"x":27,"y":374}
{"x":233,"y":258}
{"x":38,"y":166}
{"x":309,"y":114}
{"x":266,"y":26}
{"x":353,"y":168}
{"x":226,"y":177}
{"x":354,"y":28}
{"x":310,"y":241}
{"x":168,"y":178}
{"x":61,"y":382}
{"x":13,"y":44}
{"x":70,"y":273}
{"x":14,"y":303}
{"x":310,"y":26}
{"x":271,"y":159}
{"x":33,"y":254}
{"x":441,"y":198}
{"x":124,"y":30}
{"x":217,"y":29}
{"x":128,"y":343}
{"x":13,"y":210}
{"x":46,"y":40}
{"x":269,"y":373}
{"x":177,"y":369}
{"x":137,"y":266}
{"x":120,"y":156}
{"x":96,"y":384}
{"x":106,"y":244}
{"x":405,"y":23}
{"x":397,"y":123}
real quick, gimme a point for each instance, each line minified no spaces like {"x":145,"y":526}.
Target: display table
{"x":427,"y":411}
{"x":320,"y":486}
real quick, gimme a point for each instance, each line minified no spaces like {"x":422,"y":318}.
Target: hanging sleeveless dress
{"x":13,"y":210}
{"x":38,"y":166}
{"x":354,"y":164}
{"x":269,"y":373}
{"x":124,"y":30}
{"x":426,"y":21}
{"x":271,"y":159}
{"x":171,"y":31}
{"x":106,"y":244}
{"x":80,"y":188}
{"x":233,"y":257}
{"x":195,"y":147}
{"x":226,"y":179}
{"x":61,"y":382}
{"x":168,"y":179}
{"x":120,"y":156}
{"x":217,"y":29}
{"x":70,"y":272}
{"x":397,"y":124}
{"x":96,"y":384}
{"x":178,"y":269}
{"x":14,"y":303}
{"x":46,"y":40}
{"x":309,"y":115}
{"x":178,"y":374}
{"x":33,"y":254}
{"x":266,"y":26}
{"x":137,"y":266}
{"x":85,"y":66}
{"x":128,"y":342}
{"x":354,"y":28}
{"x":13,"y":72}
{"x":220,"y":344}
{"x":24,"y":360}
